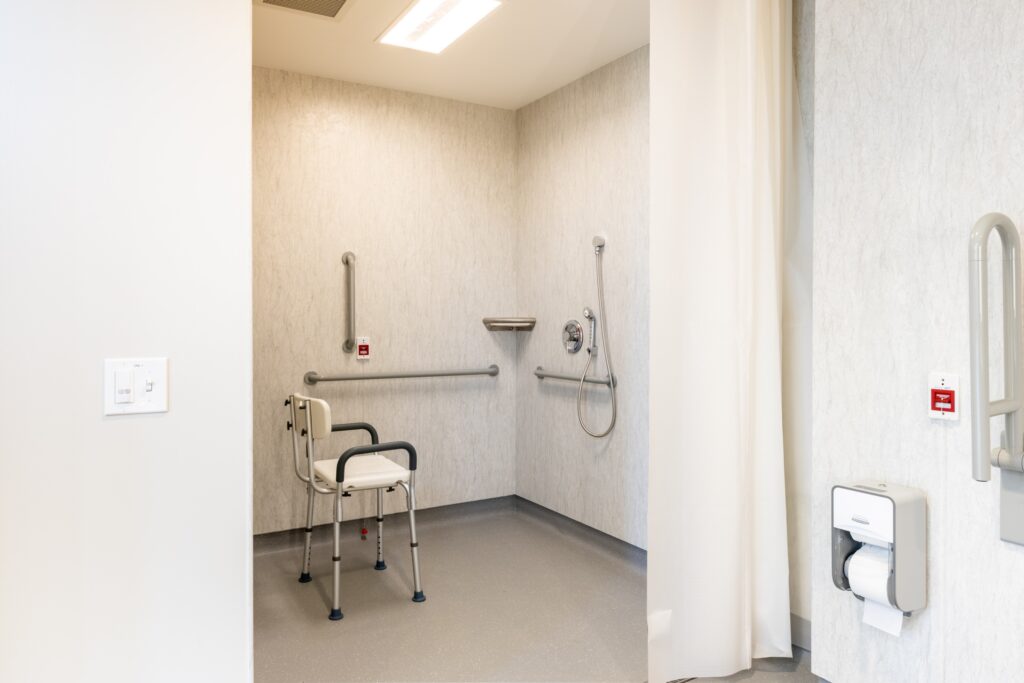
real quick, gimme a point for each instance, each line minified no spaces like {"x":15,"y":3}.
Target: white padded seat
{"x":362,"y":472}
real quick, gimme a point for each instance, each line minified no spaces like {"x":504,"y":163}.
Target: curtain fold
{"x":721,"y":113}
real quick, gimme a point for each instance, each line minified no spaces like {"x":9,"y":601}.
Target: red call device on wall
{"x":944,"y":400}
{"x":942,"y":403}
{"x":362,"y":348}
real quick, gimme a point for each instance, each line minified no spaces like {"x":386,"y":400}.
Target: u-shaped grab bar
{"x":982,"y":407}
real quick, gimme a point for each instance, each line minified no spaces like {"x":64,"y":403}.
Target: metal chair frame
{"x":300,"y":405}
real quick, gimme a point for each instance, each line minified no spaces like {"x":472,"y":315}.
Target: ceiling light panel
{"x":433,"y":25}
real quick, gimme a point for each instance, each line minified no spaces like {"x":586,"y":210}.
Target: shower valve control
{"x":943,"y":402}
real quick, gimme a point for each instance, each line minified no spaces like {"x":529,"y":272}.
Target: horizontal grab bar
{"x":1002,"y":407}
{"x":312,"y":377}
{"x":541,"y":373}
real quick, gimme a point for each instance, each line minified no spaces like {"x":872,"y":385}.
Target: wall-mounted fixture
{"x":313,"y":377}
{"x":433,"y":25}
{"x":572,"y":336}
{"x":1010,"y":456}
{"x":349,"y":261}
{"x":509,"y":324}
{"x":878,"y":549}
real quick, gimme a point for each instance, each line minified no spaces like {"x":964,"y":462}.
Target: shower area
{"x":419,"y":233}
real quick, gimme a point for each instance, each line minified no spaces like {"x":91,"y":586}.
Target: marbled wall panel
{"x":919,"y":130}
{"x":422,"y":190}
{"x":582,"y":171}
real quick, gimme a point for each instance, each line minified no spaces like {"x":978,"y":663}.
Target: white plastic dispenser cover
{"x":869,"y":518}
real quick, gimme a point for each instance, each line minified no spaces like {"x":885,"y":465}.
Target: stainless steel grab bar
{"x":541,"y":373}
{"x":312,"y":377}
{"x":349,"y":259}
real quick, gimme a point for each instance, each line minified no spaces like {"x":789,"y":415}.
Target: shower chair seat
{"x":371,"y":471}
{"x":361,"y":468}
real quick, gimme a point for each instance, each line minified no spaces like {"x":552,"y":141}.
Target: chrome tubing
{"x":312,"y":377}
{"x":541,"y":373}
{"x":982,"y":408}
{"x":349,"y":259}
{"x":599,"y":244}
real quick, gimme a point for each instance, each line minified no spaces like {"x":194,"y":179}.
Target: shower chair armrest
{"x":352,"y":426}
{"x":375,"y":448}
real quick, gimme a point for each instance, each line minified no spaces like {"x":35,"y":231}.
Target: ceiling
{"x":522,"y":51}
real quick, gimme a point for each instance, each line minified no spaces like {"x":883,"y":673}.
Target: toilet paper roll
{"x":868,"y":573}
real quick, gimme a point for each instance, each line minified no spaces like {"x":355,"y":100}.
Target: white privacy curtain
{"x":721,"y":107}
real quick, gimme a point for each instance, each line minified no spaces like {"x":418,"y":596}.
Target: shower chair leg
{"x":336,"y":603}
{"x":410,"y":496}
{"x":304,"y":577}
{"x":380,"y":531}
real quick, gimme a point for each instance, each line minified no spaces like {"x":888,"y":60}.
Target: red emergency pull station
{"x":944,"y":400}
{"x":942,"y":387}
{"x":362,"y":348}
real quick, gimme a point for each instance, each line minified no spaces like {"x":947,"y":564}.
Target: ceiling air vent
{"x":325,"y":8}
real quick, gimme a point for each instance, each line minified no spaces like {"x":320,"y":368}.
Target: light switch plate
{"x":147,"y":386}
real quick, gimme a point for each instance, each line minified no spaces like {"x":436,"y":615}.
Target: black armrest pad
{"x":375,"y":448}
{"x":352,"y":426}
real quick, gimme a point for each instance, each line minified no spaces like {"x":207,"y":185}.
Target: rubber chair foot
{"x":380,"y":566}
{"x":336,"y":615}
{"x":304,"y":577}
{"x":418,"y":596}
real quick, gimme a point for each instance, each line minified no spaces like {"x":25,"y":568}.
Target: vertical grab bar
{"x":982,"y":408}
{"x":349,"y":259}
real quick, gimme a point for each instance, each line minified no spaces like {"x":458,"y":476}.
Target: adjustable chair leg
{"x":311,"y":495}
{"x":380,"y":531}
{"x":336,"y":604}
{"x":410,"y":494}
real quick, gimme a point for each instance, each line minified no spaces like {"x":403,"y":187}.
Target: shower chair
{"x":360,"y":468}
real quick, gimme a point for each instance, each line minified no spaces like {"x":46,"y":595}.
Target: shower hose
{"x":591,"y":352}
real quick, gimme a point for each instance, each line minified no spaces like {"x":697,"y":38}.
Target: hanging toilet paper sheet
{"x":868,"y":573}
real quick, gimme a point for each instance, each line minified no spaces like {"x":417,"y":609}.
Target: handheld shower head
{"x":598,"y":243}
{"x":592,"y":317}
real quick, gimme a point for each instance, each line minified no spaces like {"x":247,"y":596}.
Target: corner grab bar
{"x":982,"y":407}
{"x":349,"y":259}
{"x":312,"y":377}
{"x":541,"y":373}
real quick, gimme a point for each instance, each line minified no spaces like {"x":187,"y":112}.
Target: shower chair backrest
{"x":319,"y":415}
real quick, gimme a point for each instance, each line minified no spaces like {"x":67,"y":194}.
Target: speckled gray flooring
{"x":796,"y":670}
{"x":514,"y":593}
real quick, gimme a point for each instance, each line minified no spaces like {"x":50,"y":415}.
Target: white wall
{"x":421,"y":189}
{"x":583,"y":171}
{"x":918,"y":132}
{"x":125,"y":222}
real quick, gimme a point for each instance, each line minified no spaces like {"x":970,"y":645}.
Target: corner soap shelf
{"x":509,"y":324}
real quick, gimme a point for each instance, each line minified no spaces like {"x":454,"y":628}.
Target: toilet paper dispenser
{"x":878,"y":544}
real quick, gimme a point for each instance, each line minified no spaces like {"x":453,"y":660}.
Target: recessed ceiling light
{"x":433,"y":25}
